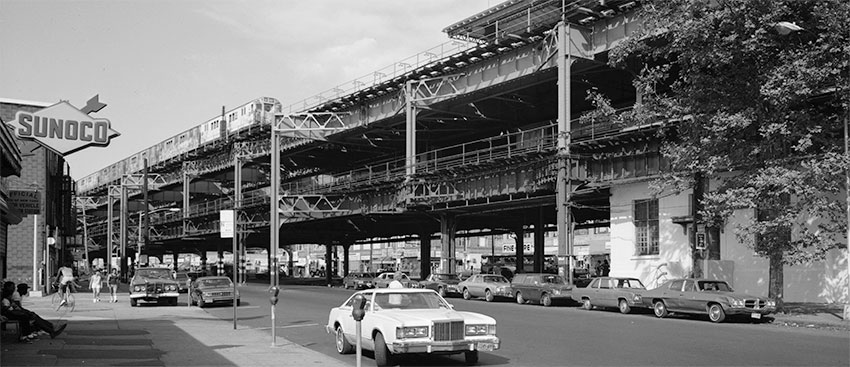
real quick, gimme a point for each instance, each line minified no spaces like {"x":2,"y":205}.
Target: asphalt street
{"x":565,"y":335}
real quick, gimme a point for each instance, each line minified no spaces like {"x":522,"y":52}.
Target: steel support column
{"x":519,"y":232}
{"x":123,"y":235}
{"x":564,"y":189}
{"x":448,"y":225}
{"x":424,"y":255}
{"x":328,"y":262}
{"x":410,"y":129}
{"x":539,"y":241}
{"x":345,"y":265}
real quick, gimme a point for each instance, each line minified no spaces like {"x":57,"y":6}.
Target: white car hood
{"x":424,"y":317}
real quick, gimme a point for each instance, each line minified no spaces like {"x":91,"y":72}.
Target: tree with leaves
{"x":755,"y":93}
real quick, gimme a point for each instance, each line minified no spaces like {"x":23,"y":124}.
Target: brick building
{"x":36,"y":245}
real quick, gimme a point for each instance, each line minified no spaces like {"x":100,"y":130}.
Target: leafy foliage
{"x":759,"y":112}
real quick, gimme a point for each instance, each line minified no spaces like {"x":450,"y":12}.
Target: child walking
{"x":112,"y":281}
{"x":95,"y":283}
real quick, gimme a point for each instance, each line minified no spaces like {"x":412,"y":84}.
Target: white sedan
{"x":404,"y":320}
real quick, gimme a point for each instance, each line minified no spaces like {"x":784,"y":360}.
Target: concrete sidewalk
{"x":109,"y":334}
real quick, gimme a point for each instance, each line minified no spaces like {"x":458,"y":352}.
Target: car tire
{"x":660,"y":309}
{"x":471,"y":357}
{"x":585,"y":304}
{"x":716,"y":313}
{"x":342,"y":345}
{"x":546,"y":300}
{"x":519,"y":298}
{"x":238,"y":302}
{"x":488,"y":296}
{"x":624,"y":307}
{"x":441,"y":291}
{"x":466,"y":294}
{"x":133,"y":302}
{"x":383,"y":357}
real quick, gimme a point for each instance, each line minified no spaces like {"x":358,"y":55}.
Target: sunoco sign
{"x":64,"y":128}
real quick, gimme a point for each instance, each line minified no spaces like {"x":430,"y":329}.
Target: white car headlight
{"x":411,"y":332}
{"x":171,"y":287}
{"x":770,"y":303}
{"x":472,"y":330}
{"x":556,"y":292}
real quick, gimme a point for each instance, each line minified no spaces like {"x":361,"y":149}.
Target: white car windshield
{"x":409,"y":301}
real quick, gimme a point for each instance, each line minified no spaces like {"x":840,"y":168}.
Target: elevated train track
{"x":484,"y":147}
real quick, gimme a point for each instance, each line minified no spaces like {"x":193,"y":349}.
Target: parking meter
{"x":274,"y":291}
{"x":358,"y":309}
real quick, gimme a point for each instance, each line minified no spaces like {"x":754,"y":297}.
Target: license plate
{"x":487,"y":347}
{"x":755,"y":315}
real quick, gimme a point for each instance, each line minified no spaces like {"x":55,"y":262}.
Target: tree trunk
{"x":776,"y":283}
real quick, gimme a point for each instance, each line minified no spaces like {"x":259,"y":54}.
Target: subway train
{"x":259,"y":111}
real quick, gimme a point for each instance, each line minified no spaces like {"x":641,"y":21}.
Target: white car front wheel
{"x":342,"y":345}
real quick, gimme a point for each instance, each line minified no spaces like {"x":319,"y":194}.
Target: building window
{"x":646,"y":227}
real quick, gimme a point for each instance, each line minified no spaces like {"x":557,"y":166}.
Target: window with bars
{"x":646,"y":227}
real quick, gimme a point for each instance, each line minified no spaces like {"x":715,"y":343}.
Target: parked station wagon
{"x":705,"y":296}
{"x":622,"y":293}
{"x":544,"y":288}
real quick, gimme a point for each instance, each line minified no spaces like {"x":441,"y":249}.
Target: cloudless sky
{"x":165,"y":66}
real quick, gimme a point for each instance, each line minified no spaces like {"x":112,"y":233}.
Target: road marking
{"x":286,"y":327}
{"x":247,"y":307}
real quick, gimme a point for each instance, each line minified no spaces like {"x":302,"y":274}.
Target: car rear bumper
{"x":456,"y":346}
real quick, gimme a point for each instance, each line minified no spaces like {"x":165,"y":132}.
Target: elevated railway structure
{"x":477,"y":138}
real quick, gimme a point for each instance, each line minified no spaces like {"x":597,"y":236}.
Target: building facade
{"x":36,"y":245}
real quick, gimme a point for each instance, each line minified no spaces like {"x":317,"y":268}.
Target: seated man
{"x":29,"y":321}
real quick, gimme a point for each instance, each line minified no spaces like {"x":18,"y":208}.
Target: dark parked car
{"x":705,"y":296}
{"x":543,"y":288}
{"x":444,"y":284}
{"x":622,"y":293}
{"x":213,"y":290}
{"x":358,"y":280}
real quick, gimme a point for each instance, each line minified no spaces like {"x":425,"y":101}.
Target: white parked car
{"x":408,"y":321}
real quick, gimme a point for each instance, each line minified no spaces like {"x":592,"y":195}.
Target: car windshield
{"x":218,"y":282}
{"x":495,"y":279}
{"x":555,"y":279}
{"x":445,"y":277}
{"x":713,"y":286}
{"x":154,"y":273}
{"x":409,"y":301}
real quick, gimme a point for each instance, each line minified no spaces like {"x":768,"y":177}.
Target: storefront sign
{"x":63,"y":128}
{"x":26,"y":201}
{"x":225,"y":220}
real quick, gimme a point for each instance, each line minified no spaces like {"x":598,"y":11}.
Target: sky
{"x":163,"y":67}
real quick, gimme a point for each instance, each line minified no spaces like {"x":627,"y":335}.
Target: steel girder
{"x":312,"y":125}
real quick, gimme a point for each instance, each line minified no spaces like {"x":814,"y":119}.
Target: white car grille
{"x":448,"y":331}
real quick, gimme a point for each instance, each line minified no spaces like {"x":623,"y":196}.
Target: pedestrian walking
{"x":112,"y":281}
{"x":95,"y":283}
